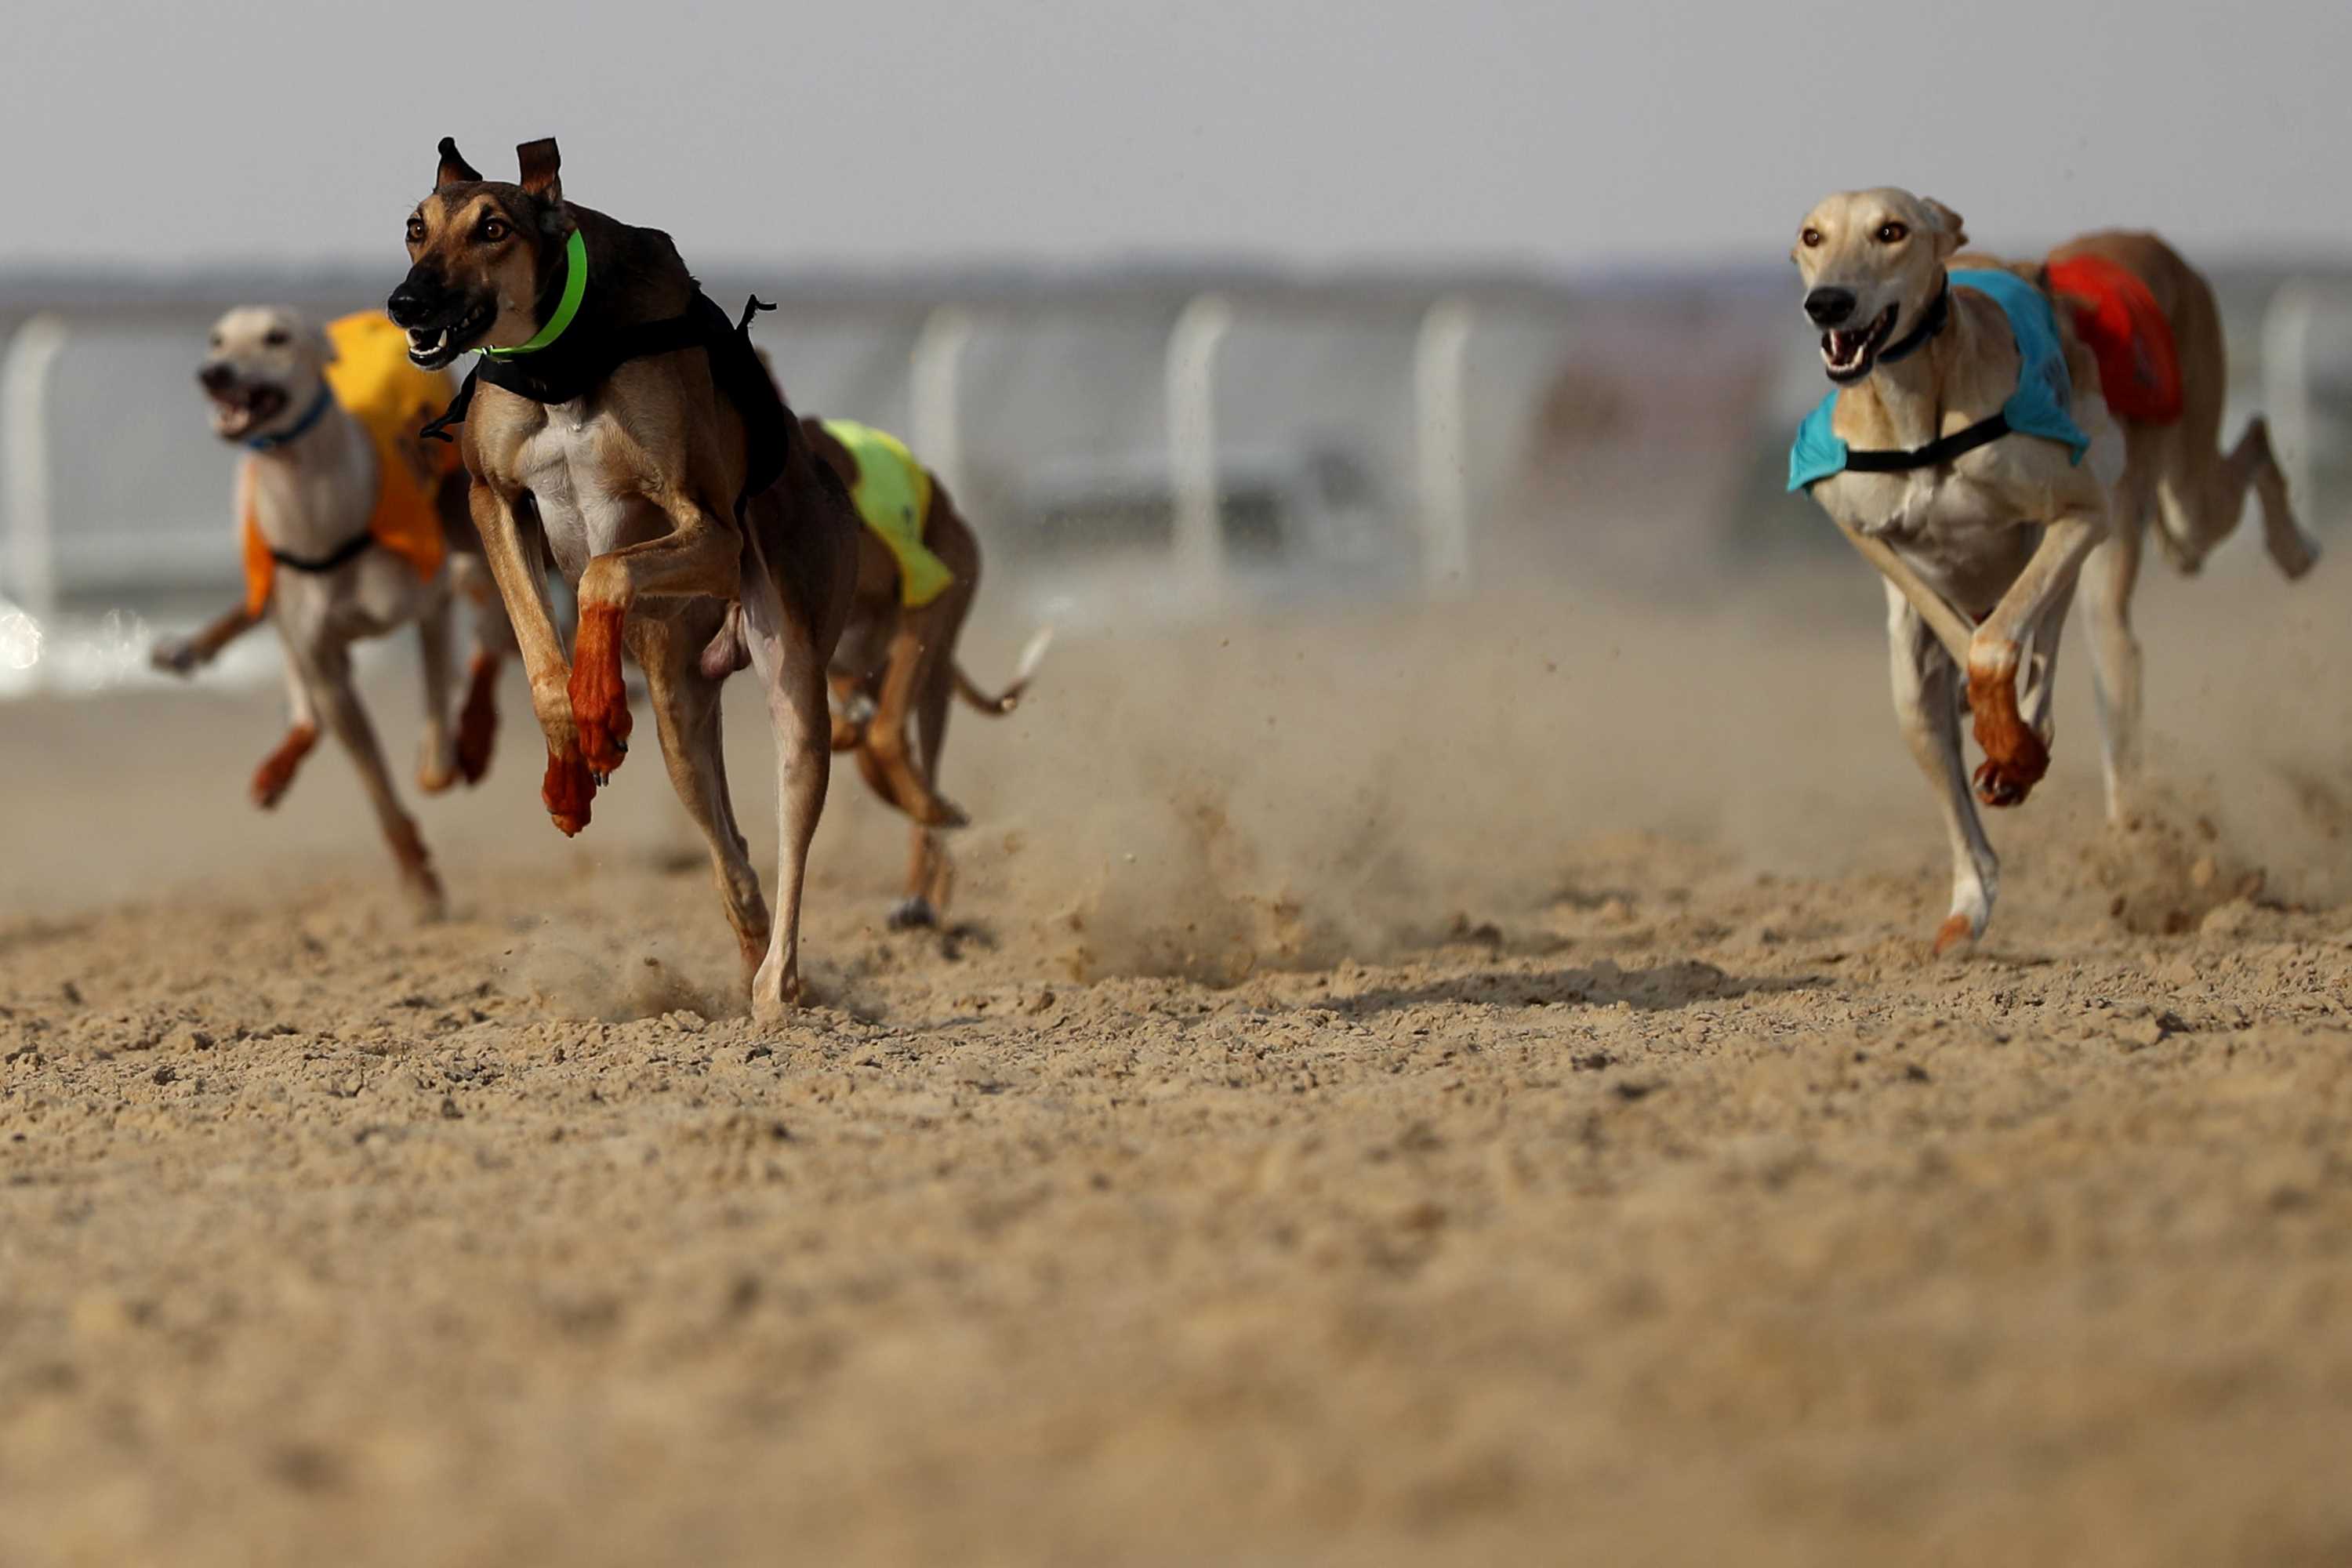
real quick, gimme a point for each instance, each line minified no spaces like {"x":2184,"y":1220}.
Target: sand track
{"x":1467,"y":1087}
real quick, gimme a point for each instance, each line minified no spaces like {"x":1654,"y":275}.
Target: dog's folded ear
{"x":453,"y":168}
{"x":1950,"y":232}
{"x":540,"y":162}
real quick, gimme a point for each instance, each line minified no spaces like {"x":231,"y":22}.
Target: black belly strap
{"x":341,"y":555}
{"x":568,"y":371}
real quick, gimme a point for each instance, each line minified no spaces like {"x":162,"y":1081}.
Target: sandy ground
{"x":1449,"y":1084}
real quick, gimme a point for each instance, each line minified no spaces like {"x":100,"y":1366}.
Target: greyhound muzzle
{"x":239,"y":407}
{"x":441,"y":324}
{"x":1848,"y":349}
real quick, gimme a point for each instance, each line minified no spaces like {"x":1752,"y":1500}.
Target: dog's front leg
{"x":186,"y":656}
{"x":326,"y":669}
{"x":514,"y":557}
{"x":699,"y":558}
{"x":2016,"y":755}
{"x":436,"y":762}
{"x":1928,"y":706}
{"x":276,"y":774}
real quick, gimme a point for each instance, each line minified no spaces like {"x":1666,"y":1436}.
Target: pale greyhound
{"x":313,"y":495}
{"x":624,"y":426}
{"x":1980,"y":547}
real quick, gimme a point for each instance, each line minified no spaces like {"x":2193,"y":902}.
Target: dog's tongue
{"x":1844,"y":346}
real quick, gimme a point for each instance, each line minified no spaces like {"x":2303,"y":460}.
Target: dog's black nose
{"x":1827,"y":307}
{"x":217,"y":377}
{"x":405,"y":307}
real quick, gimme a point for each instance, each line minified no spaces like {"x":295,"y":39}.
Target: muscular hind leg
{"x":2108,"y":577}
{"x":917,"y":654}
{"x":2202,"y":509}
{"x":686,"y":704}
{"x":494,"y":638}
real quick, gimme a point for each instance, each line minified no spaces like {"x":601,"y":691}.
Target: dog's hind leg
{"x":276,"y":774}
{"x":1928,"y":706}
{"x":686,"y":704}
{"x":436,"y":762}
{"x":2204,"y":496}
{"x":329,"y":673}
{"x":494,"y":638}
{"x":924,"y":642}
{"x":931,"y":877}
{"x":2109,"y":578}
{"x":792,"y":678}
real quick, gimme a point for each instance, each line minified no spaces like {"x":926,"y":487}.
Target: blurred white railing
{"x":1344,"y":426}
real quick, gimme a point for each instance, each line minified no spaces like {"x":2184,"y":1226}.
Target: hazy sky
{"x":1305,"y":131}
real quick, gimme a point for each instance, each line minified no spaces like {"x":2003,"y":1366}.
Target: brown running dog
{"x":895,"y":669}
{"x":620,"y":424}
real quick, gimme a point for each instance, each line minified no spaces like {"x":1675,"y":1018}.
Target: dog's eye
{"x":276,"y":337}
{"x":1812,"y":238}
{"x":416,"y":231}
{"x":494,"y":230}
{"x":1892,"y":233}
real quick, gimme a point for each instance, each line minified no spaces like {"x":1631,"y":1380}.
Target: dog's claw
{"x":2003,"y":784}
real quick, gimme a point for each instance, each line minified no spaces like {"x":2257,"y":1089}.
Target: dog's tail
{"x":1006,"y":700}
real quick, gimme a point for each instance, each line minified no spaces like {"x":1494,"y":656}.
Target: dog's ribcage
{"x":565,"y":464}
{"x":1955,"y":530}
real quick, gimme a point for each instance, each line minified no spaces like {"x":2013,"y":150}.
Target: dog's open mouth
{"x":434,"y":347}
{"x":238,"y":411}
{"x":1848,"y":354}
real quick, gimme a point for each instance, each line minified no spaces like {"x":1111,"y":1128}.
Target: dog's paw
{"x":567,"y":791}
{"x":913,"y":914}
{"x":276,"y":774}
{"x":941,"y":812}
{"x":2295,"y":552}
{"x":2006,"y":781}
{"x":1957,"y":938}
{"x":600,"y":695}
{"x":2015,"y":756}
{"x":174,"y":656}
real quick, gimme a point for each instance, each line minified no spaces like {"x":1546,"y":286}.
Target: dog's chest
{"x":1946,"y":504}
{"x":589,"y":502}
{"x":1962,"y":533}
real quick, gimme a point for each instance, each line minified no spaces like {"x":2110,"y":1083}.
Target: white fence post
{"x":1441,"y":396}
{"x":935,"y":372}
{"x":2286,"y":385}
{"x":1192,"y":373}
{"x":24,"y":451}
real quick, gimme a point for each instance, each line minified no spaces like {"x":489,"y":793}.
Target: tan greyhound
{"x":1968,"y":454}
{"x":1925,"y":365}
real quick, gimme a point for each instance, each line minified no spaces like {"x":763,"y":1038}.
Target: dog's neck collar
{"x":299,"y":428}
{"x":1939,"y":313}
{"x":575,"y":288}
